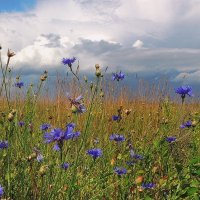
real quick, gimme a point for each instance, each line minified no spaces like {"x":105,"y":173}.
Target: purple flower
{"x":58,"y":136}
{"x":55,"y":135}
{"x":116,"y":118}
{"x":68,"y":61}
{"x":118,"y":76}
{"x":184,"y":90}
{"x":135,"y":156}
{"x":130,"y":163}
{"x":45,"y":127}
{"x":1,"y":191}
{"x":40,"y":157}
{"x":77,"y":104}
{"x":148,"y":185}
{"x":21,"y":123}
{"x":187,"y":124}
{"x":95,"y":153}
{"x":3,"y":144}
{"x":69,"y":134}
{"x":170,"y":139}
{"x":65,"y":166}
{"x":19,"y":84}
{"x":120,"y":171}
{"x":117,"y":137}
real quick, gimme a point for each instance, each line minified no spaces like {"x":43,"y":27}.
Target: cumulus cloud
{"x":138,"y":44}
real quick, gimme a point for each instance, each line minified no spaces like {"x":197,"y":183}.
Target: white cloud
{"x":138,"y":44}
{"x":102,"y":32}
{"x":190,"y":77}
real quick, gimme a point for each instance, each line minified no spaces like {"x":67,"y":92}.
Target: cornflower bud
{"x":98,"y":71}
{"x":10,"y":53}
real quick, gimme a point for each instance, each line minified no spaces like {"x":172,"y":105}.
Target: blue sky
{"x":148,"y":37}
{"x":16,"y":5}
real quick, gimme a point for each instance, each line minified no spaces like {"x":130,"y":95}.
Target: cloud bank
{"x":138,"y":36}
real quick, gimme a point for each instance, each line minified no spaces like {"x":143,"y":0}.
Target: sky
{"x":150,"y":38}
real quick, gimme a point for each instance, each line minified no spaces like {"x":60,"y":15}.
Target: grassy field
{"x":111,"y":143}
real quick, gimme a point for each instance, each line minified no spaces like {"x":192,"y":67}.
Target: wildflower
{"x":95,"y":153}
{"x":65,"y":166}
{"x":69,"y":134}
{"x":116,"y":118}
{"x":40,"y":157}
{"x":21,"y":123}
{"x":130,"y":163}
{"x":10,"y":53}
{"x":187,"y":124}
{"x":118,"y":76}
{"x":1,"y":191}
{"x":19,"y":84}
{"x":58,"y":136}
{"x":4,"y":144}
{"x":136,"y":156}
{"x":148,"y":185}
{"x":170,"y":139}
{"x":120,"y":171}
{"x":77,"y":104}
{"x":183,"y":91}
{"x":45,"y":127}
{"x":68,"y":61}
{"x":117,"y":137}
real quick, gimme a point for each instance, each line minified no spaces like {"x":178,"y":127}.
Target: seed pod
{"x":10,"y":53}
{"x":10,"y":117}
{"x":42,"y":170}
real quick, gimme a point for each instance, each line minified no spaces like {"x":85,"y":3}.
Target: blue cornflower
{"x":58,"y":136}
{"x":148,"y":185}
{"x":3,"y":144}
{"x":1,"y":191}
{"x":69,"y":134}
{"x":116,"y":118}
{"x":21,"y":123}
{"x":117,"y":137}
{"x":170,"y":139}
{"x":68,"y":61}
{"x":55,"y":135}
{"x":19,"y":84}
{"x":120,"y":171}
{"x":134,"y":155}
{"x":77,"y":104}
{"x":65,"y":166}
{"x":40,"y":157}
{"x":95,"y":153}
{"x":183,"y":91}
{"x":130,"y":163}
{"x":45,"y":127}
{"x":118,"y":76}
{"x":187,"y":124}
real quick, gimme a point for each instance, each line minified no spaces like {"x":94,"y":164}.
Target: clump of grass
{"x":101,"y":141}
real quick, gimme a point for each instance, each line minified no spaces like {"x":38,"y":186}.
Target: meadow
{"x":97,"y":140}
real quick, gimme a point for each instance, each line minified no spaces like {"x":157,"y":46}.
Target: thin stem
{"x":84,"y":139}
